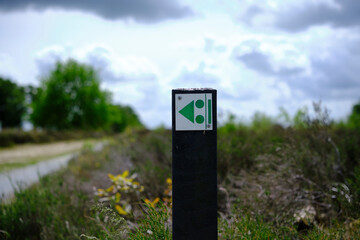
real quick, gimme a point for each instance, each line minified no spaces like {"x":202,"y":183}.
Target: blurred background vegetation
{"x":68,"y":99}
{"x":12,"y":103}
{"x":284,"y":177}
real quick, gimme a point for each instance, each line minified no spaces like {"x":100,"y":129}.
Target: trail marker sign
{"x":194,"y":164}
{"x":193,"y":112}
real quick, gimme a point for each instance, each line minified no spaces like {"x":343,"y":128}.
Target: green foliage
{"x":354,"y":183}
{"x":271,"y":174}
{"x":233,"y":153}
{"x":122,"y":117}
{"x":261,"y":121}
{"x":10,"y":137}
{"x":230,"y":125}
{"x":243,"y":227}
{"x":150,"y":153}
{"x":299,"y":120}
{"x":47,"y":212}
{"x":71,"y":97}
{"x":59,"y":206}
{"x":280,"y":170}
{"x":354,"y":118}
{"x":121,"y":184}
{"x":155,"y":225}
{"x":112,"y":225}
{"x":33,"y":94}
{"x":12,"y":103}
{"x":284,"y":116}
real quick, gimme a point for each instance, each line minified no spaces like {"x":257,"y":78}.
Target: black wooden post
{"x":194,"y":164}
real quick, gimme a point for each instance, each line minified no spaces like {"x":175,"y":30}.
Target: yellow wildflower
{"x":100,"y":192}
{"x":117,"y":197}
{"x":152,"y":203}
{"x":112,"y":177}
{"x":110,"y":189}
{"x":125,"y":174}
{"x":120,"y":210}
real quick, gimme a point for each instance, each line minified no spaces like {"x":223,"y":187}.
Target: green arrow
{"x":188,"y":111}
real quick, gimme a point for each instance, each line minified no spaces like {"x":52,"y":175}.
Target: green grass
{"x":55,"y":208}
{"x":247,"y":227}
{"x":47,"y":211}
{"x":244,"y":227}
{"x":7,"y":166}
{"x":4,"y":167}
{"x":270,"y":173}
{"x":283,"y":171}
{"x":154,"y":225}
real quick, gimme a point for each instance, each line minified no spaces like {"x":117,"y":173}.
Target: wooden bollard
{"x":194,"y":164}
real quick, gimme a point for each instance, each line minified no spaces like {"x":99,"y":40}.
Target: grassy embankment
{"x":29,"y":154}
{"x":59,"y":207}
{"x":15,"y":137}
{"x":19,"y":148}
{"x":274,"y":182}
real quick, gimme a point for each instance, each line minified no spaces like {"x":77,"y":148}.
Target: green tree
{"x":354,"y":118}
{"x":122,"y":117}
{"x":70,"y":97}
{"x":32,"y":93}
{"x":261,"y":121}
{"x":12,"y":103}
{"x":300,"y":118}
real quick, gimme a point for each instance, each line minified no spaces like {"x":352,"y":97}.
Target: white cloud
{"x":300,"y":15}
{"x":115,"y":68}
{"x":8,"y":67}
{"x":46,"y":58}
{"x":252,"y":64}
{"x":133,"y":80}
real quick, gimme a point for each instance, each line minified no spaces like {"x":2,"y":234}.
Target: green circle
{"x":199,"y":103}
{"x":199,"y":119}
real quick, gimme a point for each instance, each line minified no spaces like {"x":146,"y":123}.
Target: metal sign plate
{"x":193,"y":112}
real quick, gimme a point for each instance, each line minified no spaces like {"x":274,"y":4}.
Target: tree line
{"x":69,"y":97}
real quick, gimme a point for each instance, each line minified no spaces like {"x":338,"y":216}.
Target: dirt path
{"x":33,"y":151}
{"x":25,"y":176}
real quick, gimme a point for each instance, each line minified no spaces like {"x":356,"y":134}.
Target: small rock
{"x":223,"y":201}
{"x":305,"y":218}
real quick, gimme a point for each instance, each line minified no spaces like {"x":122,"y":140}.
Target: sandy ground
{"x":24,"y":176}
{"x":34,"y":151}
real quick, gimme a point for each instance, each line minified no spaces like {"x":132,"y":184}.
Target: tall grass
{"x":58,"y":207}
{"x":274,"y":172}
{"x":47,"y":211}
{"x":299,"y":181}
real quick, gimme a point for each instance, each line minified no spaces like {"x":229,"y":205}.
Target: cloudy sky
{"x":259,"y":54}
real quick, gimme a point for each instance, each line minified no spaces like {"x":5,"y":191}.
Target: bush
{"x":47,"y":212}
{"x":10,"y":137}
{"x":155,"y":225}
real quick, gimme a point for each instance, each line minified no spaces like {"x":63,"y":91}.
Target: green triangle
{"x":188,"y":111}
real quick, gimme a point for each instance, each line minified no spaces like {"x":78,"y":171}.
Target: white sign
{"x":193,"y":112}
